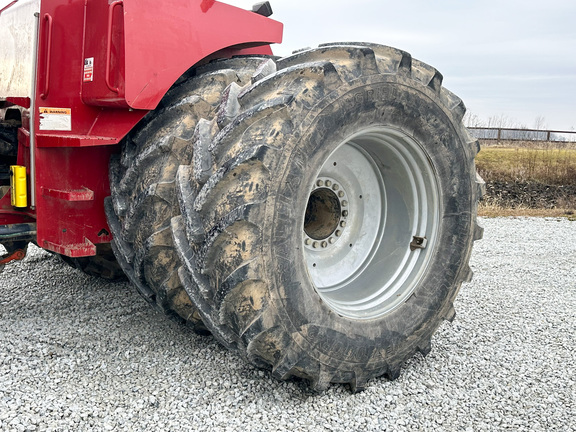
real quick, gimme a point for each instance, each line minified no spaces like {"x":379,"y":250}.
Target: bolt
{"x":331,"y":240}
{"x":342,"y":224}
{"x":315,"y":245}
{"x":328,"y":183}
{"x":324,"y":244}
{"x":341,"y":194}
{"x":319,"y":183}
{"x":307,"y":241}
{"x":345,"y":213}
{"x":344,"y":203}
{"x":335,"y":186}
{"x":338,"y":233}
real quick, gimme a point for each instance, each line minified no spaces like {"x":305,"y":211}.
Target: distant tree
{"x":500,"y":121}
{"x":540,"y":123}
{"x":472,"y":120}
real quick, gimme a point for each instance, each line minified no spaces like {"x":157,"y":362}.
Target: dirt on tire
{"x":143,"y":199}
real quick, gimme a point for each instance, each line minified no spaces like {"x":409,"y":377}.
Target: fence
{"x":505,"y":134}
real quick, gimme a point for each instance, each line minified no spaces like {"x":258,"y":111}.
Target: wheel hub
{"x":326,"y":214}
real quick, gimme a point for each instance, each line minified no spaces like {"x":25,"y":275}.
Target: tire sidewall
{"x":394,"y":102}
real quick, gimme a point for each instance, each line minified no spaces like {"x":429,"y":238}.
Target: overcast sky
{"x":505,"y":58}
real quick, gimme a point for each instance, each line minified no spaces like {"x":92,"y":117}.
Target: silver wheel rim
{"x":371,"y":223}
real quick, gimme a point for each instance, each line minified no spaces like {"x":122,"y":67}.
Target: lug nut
{"x":335,"y":186}
{"x":344,"y":203}
{"x":307,"y":241}
{"x":345,"y":213}
{"x":331,"y":240}
{"x":315,"y":245}
{"x":338,"y":233}
{"x":342,"y":224}
{"x":341,"y":194}
{"x":328,"y":183}
{"x":319,"y":183}
{"x":324,"y":244}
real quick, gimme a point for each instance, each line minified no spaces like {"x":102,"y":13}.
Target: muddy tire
{"x":334,"y":229}
{"x":103,"y":264}
{"x":143,"y":199}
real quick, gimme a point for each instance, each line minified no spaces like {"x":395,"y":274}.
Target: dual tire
{"x":326,"y":214}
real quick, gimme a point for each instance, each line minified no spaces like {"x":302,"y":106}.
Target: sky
{"x":509,"y":60}
{"x":513,"y":61}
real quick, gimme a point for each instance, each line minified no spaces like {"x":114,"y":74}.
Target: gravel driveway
{"x":78,"y":353}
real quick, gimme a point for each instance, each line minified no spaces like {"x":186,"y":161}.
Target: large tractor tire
{"x":103,"y":264}
{"x":143,"y":199}
{"x":333,"y":230}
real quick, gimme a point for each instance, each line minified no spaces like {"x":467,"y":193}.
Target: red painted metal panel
{"x":159,"y":44}
{"x":72,"y":185}
{"x":177,"y":35}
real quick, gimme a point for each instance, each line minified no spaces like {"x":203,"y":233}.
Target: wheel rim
{"x":371,"y":223}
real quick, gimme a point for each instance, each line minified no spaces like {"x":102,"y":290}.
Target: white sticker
{"x":89,"y":69}
{"x":57,"y":119}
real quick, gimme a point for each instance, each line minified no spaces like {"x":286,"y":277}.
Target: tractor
{"x":315,"y":213}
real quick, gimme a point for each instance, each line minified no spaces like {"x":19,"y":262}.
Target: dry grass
{"x":552,"y":166}
{"x":528,"y":179}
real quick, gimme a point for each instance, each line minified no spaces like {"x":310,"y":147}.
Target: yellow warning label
{"x":57,"y":119}
{"x":65,"y":111}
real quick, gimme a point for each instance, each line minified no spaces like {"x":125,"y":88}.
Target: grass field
{"x":553,"y":166}
{"x":528,"y":179}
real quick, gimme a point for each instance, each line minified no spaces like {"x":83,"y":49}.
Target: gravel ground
{"x":77,"y":353}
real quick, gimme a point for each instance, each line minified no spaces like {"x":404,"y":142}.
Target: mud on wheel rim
{"x":371,"y":223}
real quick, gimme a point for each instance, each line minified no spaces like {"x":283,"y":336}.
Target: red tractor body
{"x":95,"y":69}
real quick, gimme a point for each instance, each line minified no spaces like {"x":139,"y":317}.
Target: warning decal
{"x":56,"y":119}
{"x":89,"y":69}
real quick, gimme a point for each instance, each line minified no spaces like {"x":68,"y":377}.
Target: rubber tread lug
{"x":393,"y":372}
{"x":268,"y":67}
{"x":202,"y":159}
{"x":427,"y":75}
{"x":468,"y":274}
{"x":450,"y":314}
{"x":258,"y":154}
{"x":285,"y":367}
{"x":359,"y":382}
{"x":244,"y":305}
{"x":426,"y":348}
{"x":229,"y":107}
{"x":454,"y":104}
{"x":321,"y":381}
{"x":186,"y":196}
